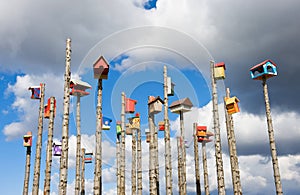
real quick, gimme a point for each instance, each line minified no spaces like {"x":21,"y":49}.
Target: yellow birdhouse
{"x":27,"y":139}
{"x":219,"y":70}
{"x":232,"y":105}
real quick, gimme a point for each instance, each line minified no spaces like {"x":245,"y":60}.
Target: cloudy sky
{"x":138,"y":37}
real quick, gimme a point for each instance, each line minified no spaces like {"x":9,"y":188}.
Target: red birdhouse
{"x":78,"y":88}
{"x":161,"y":125}
{"x":47,"y":109}
{"x":201,"y":131}
{"x":155,"y":104}
{"x":219,"y":70}
{"x":130,"y":105}
{"x":232,"y":105}
{"x":101,"y":68}
{"x":35,"y":92}
{"x":27,"y":139}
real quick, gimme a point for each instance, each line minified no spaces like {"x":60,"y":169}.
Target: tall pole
{"x":122,"y":161}
{"x":27,"y":170}
{"x":139,"y":163}
{"x":118,"y":165}
{"x":205,"y":170}
{"x":196,"y":157}
{"x":179,"y":160}
{"x":218,"y":149}
{"x":82,"y":191}
{"x":156,"y":160}
{"x":153,"y":187}
{"x":133,"y":171}
{"x":78,"y":137}
{"x":63,"y":175}
{"x":183,"y":159}
{"x":272,"y":140}
{"x":49,"y":148}
{"x":37,"y":164}
{"x":98,"y":163}
{"x":236,"y":183}
{"x":168,"y":166}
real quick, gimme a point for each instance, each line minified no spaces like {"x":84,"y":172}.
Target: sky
{"x":137,"y":38}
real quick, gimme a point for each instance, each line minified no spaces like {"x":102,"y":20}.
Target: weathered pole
{"x":78,"y":147}
{"x":37,"y":164}
{"x":122,"y":160}
{"x":183,"y":151}
{"x":153,"y":187}
{"x":63,"y":175}
{"x":118,"y":165}
{"x":49,"y":147}
{"x":236,"y":183}
{"x":82,"y":190}
{"x":156,"y":160}
{"x":218,"y":149}
{"x":179,"y":160}
{"x":205,"y":170}
{"x":196,"y":158}
{"x":133,"y":164}
{"x":98,"y":161}
{"x":139,"y":163}
{"x":168,"y":163}
{"x":27,"y":169}
{"x":272,"y":139}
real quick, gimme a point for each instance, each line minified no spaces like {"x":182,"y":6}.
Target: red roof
{"x":220,"y":64}
{"x":262,"y":63}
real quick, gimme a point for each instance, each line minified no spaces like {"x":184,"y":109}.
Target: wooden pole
{"x":168,"y":163}
{"x":183,"y":163}
{"x":78,"y":137}
{"x":27,"y":170}
{"x":156,"y":160}
{"x":122,"y":161}
{"x":49,"y":148}
{"x":118,"y":165}
{"x":179,"y":160}
{"x":236,"y":183}
{"x":133,"y":170}
{"x":63,"y":175}
{"x":153,"y":187}
{"x":37,"y":164}
{"x":196,"y":157}
{"x":218,"y":149}
{"x":82,"y":190}
{"x":98,"y":160}
{"x":139,"y":163}
{"x":205,"y":170}
{"x":272,"y":140}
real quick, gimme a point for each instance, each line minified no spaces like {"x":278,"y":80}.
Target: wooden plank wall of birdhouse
{"x":156,"y":107}
{"x":232,"y":105}
{"x":219,"y":73}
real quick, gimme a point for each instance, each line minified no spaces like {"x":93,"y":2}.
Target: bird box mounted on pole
{"x":106,"y":123}
{"x":57,"y":149}
{"x":134,"y":122}
{"x":155,"y":104}
{"x":219,"y":71}
{"x":35,"y":92}
{"x":128,"y":130}
{"x":78,"y":88}
{"x":27,"y":139}
{"x":266,"y":69}
{"x":88,"y":157}
{"x":201,"y":131}
{"x":130,"y":105}
{"x":170,"y":87}
{"x":232,"y":105}
{"x":147,"y":132}
{"x":182,"y":105}
{"x":161,"y":125}
{"x":101,"y":68}
{"x":47,"y":109}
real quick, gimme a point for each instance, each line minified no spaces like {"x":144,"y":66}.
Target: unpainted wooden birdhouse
{"x":266,"y":69}
{"x":35,"y":92}
{"x":130,"y":105}
{"x":232,"y":105}
{"x":182,"y":105}
{"x":128,"y":130}
{"x":161,"y":125}
{"x":101,"y":68}
{"x":78,"y":88}
{"x":148,"y":136}
{"x":219,"y":71}
{"x":88,"y":157}
{"x":57,"y":150}
{"x":27,"y":139}
{"x":170,"y":87}
{"x":155,"y":104}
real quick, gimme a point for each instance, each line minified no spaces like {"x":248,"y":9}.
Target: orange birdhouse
{"x":161,"y":125}
{"x":155,"y":104}
{"x":78,"y":88}
{"x":101,"y":68}
{"x":232,"y":105}
{"x":47,"y":109}
{"x":219,"y":70}
{"x":27,"y":139}
{"x":130,"y":105}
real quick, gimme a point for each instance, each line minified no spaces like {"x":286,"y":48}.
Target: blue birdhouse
{"x":106,"y":123}
{"x":88,"y":157}
{"x":266,"y":69}
{"x":35,"y":92}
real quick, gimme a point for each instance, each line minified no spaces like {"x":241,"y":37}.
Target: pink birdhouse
{"x":130,"y":105}
{"x":27,"y":139}
{"x":101,"y":68}
{"x":57,"y":149}
{"x":78,"y":88}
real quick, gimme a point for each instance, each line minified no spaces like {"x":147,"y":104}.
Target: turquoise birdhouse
{"x":266,"y":69}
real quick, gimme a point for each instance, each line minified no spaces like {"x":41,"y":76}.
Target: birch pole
{"x":168,"y":166}
{"x":205,"y":170}
{"x":133,"y":170}
{"x":63,"y":174}
{"x":272,"y":139}
{"x":179,"y":160}
{"x":122,"y":160}
{"x":153,"y":187}
{"x":37,"y":164}
{"x":183,"y":151}
{"x":98,"y":161}
{"x":27,"y":170}
{"x":196,"y":157}
{"x":82,"y":190}
{"x":139,"y":163}
{"x":78,"y":148}
{"x":156,"y":159}
{"x":118,"y":165}
{"x":236,"y":183}
{"x":49,"y":148}
{"x":218,"y":149}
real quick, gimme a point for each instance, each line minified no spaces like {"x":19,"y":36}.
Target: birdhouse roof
{"x":81,"y":83}
{"x":185,"y":101}
{"x":220,"y":64}
{"x":101,"y":62}
{"x":263,"y":63}
{"x":232,"y":100}
{"x":153,"y":99}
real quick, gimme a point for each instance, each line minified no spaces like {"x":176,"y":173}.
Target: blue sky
{"x":138,"y":38}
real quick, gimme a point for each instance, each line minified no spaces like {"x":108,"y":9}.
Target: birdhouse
{"x":155,"y":104}
{"x":204,"y":139}
{"x":266,"y":69}
{"x":128,"y":130}
{"x":78,"y":88}
{"x":161,"y":125}
{"x":219,"y":70}
{"x":119,"y":128}
{"x":208,"y":134}
{"x":101,"y":68}
{"x":106,"y":123}
{"x":232,"y":105}
{"x":170,"y":87}
{"x":57,"y":149}
{"x":35,"y":92}
{"x":47,"y":109}
{"x":201,"y":131}
{"x":27,"y":139}
{"x":182,"y":105}
{"x":130,"y":105}
{"x":134,"y":122}
{"x":148,"y":137}
{"x":88,"y":157}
